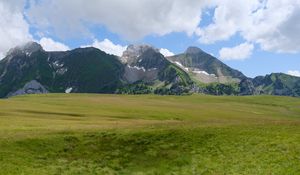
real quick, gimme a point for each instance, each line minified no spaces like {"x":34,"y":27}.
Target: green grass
{"x":148,"y":134}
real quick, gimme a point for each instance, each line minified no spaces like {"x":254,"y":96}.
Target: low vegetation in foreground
{"x":147,"y":134}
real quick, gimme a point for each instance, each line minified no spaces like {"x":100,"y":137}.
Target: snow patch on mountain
{"x":68,"y":90}
{"x":56,"y":64}
{"x":138,"y":68}
{"x":197,"y":71}
{"x":181,"y":66}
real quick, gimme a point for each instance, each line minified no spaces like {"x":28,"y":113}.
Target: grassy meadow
{"x":91,"y":134}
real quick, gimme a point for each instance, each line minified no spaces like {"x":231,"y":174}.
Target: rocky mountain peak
{"x":193,"y":50}
{"x":27,"y":48}
{"x":134,"y":51}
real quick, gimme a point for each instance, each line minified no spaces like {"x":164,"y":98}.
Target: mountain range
{"x":142,"y":69}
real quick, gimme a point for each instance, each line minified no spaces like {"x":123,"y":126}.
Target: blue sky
{"x":256,"y":37}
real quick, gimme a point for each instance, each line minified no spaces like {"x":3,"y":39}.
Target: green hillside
{"x":278,"y":84}
{"x":89,"y":70}
{"x":149,"y":134}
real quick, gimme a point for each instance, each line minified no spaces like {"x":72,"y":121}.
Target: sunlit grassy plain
{"x":148,"y":134}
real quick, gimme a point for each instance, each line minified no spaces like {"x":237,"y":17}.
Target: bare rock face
{"x":143,"y":63}
{"x":32,"y":87}
{"x":133,"y":52}
{"x":133,"y":74}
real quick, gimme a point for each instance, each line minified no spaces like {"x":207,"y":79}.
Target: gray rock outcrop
{"x":32,"y":87}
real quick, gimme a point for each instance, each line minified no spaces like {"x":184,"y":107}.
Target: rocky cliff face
{"x":133,"y":52}
{"x":32,"y":87}
{"x":142,"y":63}
{"x":145,"y":64}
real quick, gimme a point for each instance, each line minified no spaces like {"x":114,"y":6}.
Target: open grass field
{"x":120,"y":134}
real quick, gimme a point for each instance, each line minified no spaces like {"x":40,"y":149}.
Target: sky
{"x":257,"y":37}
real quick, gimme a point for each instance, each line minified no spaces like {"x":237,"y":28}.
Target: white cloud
{"x":295,"y":73}
{"x":49,"y":45}
{"x":276,"y":26}
{"x":14,"y":29}
{"x":166,"y":52}
{"x":239,"y":52}
{"x":132,"y":19}
{"x":273,"y":24}
{"x":109,"y":47}
{"x":230,"y":16}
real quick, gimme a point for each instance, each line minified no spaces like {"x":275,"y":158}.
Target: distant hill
{"x":141,"y":69}
{"x":273,"y":84}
